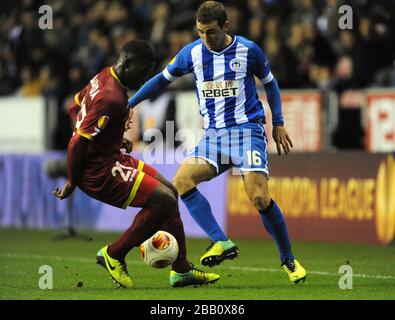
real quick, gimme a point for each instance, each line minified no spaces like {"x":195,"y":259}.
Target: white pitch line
{"x":86,"y":260}
{"x":321,"y":273}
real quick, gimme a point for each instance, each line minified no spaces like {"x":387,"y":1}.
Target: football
{"x":160,"y":250}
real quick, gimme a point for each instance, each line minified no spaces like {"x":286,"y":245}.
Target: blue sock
{"x":200,"y":210}
{"x":274,"y":223}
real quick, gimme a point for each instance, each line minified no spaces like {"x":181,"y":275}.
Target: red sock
{"x":174,"y":226}
{"x":144,"y":225}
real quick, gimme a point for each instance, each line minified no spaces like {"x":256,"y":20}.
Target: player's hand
{"x":282,"y":139}
{"x":65,"y":192}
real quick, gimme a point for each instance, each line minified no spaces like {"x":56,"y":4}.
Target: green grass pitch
{"x":255,"y":275}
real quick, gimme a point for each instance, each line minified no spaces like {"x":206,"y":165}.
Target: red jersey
{"x":100,"y":111}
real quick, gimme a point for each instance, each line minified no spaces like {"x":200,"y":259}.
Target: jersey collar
{"x":114,"y":75}
{"x":227,"y":48}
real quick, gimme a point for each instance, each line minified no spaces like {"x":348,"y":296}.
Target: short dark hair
{"x":140,"y":49}
{"x":210,"y":11}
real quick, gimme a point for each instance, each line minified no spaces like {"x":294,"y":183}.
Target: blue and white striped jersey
{"x":225,"y":84}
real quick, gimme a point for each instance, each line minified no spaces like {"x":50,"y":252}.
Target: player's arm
{"x":68,"y":187}
{"x":89,"y":124}
{"x":76,"y":154}
{"x":272,"y":90}
{"x":75,"y":165}
{"x":280,"y":135}
{"x":151,"y":88}
{"x":181,"y":64}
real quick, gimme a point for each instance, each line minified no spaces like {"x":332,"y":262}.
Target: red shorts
{"x":122,"y":182}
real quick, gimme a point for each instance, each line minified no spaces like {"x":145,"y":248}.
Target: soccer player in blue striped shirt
{"x":224,"y":66}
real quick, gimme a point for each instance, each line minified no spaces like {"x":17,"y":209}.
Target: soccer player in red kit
{"x":96,"y":164}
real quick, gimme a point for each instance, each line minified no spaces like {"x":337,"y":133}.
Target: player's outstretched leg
{"x":221,"y":248}
{"x":182,"y":272}
{"x":160,"y":204}
{"x":192,"y":172}
{"x":112,"y":257}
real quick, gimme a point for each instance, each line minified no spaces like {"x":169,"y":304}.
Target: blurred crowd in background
{"x":301,"y":39}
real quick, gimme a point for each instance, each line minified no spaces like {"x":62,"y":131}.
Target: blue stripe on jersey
{"x":230,"y":103}
{"x":208,"y":73}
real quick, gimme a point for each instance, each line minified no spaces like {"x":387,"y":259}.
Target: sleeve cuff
{"x":168,"y":76}
{"x":77,"y":100}
{"x":267,"y":79}
{"x":85,"y":135}
{"x":278,"y":123}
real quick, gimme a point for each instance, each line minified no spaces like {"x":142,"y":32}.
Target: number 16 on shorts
{"x":256,"y":161}
{"x":254,"y":158}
